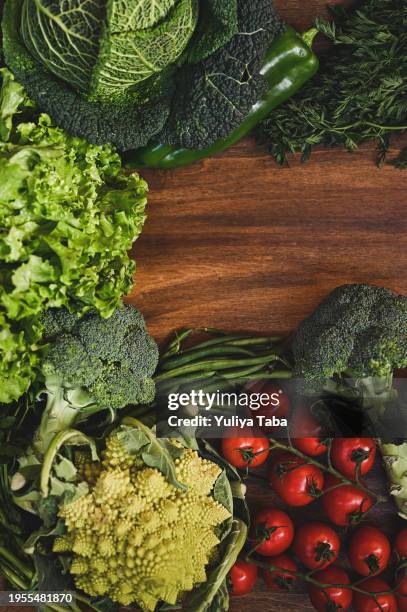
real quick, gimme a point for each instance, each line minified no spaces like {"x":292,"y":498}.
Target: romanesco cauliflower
{"x":137,"y":538}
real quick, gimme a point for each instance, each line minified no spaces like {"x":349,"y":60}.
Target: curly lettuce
{"x":68,"y":216}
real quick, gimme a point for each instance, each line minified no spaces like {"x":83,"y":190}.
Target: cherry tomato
{"x":352,"y":456}
{"x":242,"y":578}
{"x":369,"y":551}
{"x":400,"y":544}
{"x":242,"y":451}
{"x":297,"y":482}
{"x":313,"y":447}
{"x":367,"y":603}
{"x":280,"y":580}
{"x":401,"y":592}
{"x":345,"y":505}
{"x":274,"y":530}
{"x":316,"y":545}
{"x":275,"y":399}
{"x":306,"y":432}
{"x":334,"y":597}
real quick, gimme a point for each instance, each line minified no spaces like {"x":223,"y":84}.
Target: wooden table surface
{"x":237,"y":242}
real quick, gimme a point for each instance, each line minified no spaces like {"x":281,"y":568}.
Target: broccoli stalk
{"x":352,"y":343}
{"x":93,"y":364}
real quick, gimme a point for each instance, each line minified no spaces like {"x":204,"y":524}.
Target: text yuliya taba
{"x":224,"y":421}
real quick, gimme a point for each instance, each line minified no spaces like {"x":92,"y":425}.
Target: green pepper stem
{"x":309,"y":36}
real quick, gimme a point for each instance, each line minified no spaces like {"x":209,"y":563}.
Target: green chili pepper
{"x":289,"y":64}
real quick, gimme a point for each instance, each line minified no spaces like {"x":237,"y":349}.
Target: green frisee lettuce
{"x":68,"y":216}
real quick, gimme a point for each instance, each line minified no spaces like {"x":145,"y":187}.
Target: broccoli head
{"x":137,"y":538}
{"x":113,"y":359}
{"x":358,"y":330}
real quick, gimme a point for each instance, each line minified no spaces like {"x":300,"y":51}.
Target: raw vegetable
{"x":357,"y":335}
{"x":309,"y":430}
{"x":191,"y":78}
{"x":395,"y":462}
{"x":68,"y":216}
{"x":243,"y":451}
{"x":166,"y":531}
{"x":278,"y":579}
{"x":331,"y":597}
{"x":369,"y":551}
{"x":353,"y":457}
{"x":93,"y":365}
{"x":131,"y":518}
{"x":345,"y":504}
{"x":242,"y":578}
{"x":273,"y":532}
{"x":381,"y":599}
{"x":287,"y":65}
{"x":316,"y":545}
{"x":314,"y":447}
{"x":295,"y":481}
{"x":350,"y":347}
{"x":358,"y":94}
{"x":221,"y":362}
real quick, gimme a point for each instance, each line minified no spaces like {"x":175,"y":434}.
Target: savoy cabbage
{"x":129,"y":72}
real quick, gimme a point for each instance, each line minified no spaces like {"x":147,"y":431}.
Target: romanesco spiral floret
{"x":151,"y":485}
{"x":112,"y":486}
{"x":116,"y":456}
{"x":62,"y":544}
{"x":198,"y":474}
{"x":136,"y":537}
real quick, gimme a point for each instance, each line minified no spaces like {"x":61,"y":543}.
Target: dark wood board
{"x":237,"y":242}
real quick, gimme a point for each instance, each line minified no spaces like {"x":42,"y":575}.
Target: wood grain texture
{"x":237,"y":242}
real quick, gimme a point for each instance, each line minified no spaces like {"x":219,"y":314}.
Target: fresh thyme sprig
{"x":360,"y":93}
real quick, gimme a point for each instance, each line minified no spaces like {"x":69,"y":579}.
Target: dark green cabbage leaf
{"x":129,"y":71}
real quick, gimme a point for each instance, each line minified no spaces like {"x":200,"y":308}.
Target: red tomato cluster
{"x":315,"y":545}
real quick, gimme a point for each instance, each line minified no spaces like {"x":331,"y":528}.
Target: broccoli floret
{"x":358,"y":330}
{"x":137,"y":538}
{"x":114,"y":359}
{"x":352,"y":343}
{"x":57,"y":321}
{"x":116,"y":387}
{"x":93,"y":364}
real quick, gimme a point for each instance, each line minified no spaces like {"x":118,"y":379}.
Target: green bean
{"x":175,"y":344}
{"x":189,"y":357}
{"x":220,"y":364}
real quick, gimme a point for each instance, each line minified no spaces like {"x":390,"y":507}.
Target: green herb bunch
{"x":360,"y":93}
